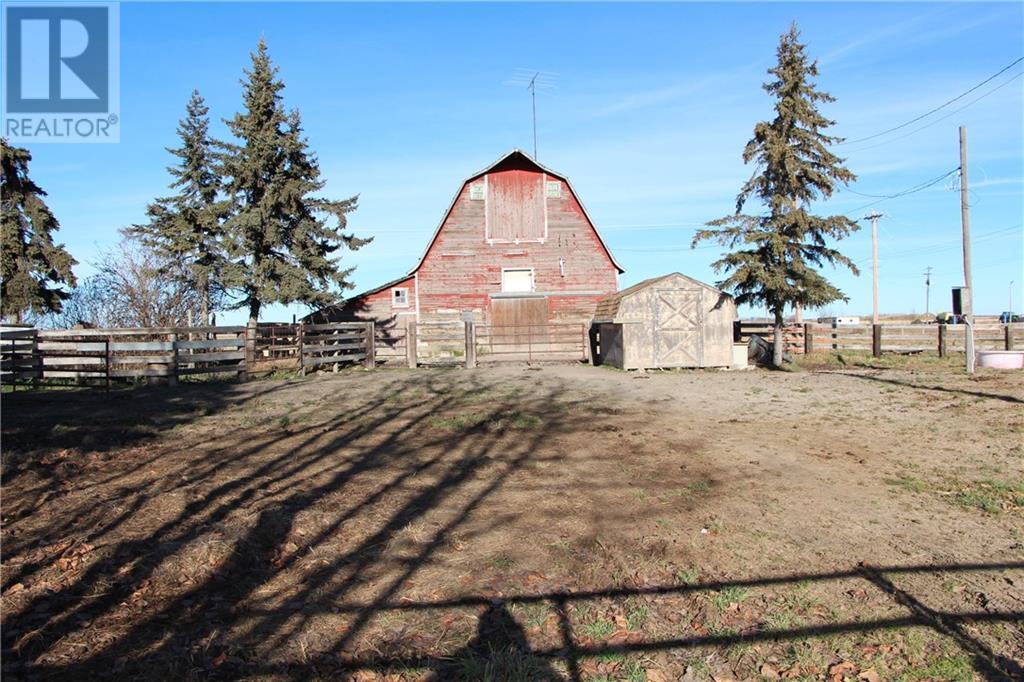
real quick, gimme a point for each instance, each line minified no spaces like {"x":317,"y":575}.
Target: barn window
{"x":515,"y":206}
{"x":400,"y":297}
{"x":553,"y":189}
{"x":518,"y":280}
{"x":476,"y":191}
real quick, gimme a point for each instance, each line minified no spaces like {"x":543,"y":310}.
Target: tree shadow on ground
{"x":277,"y":539}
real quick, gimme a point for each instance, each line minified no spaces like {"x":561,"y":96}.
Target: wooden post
{"x":371,"y":348}
{"x":301,"y":342}
{"x":808,"y":338}
{"x":106,"y":361}
{"x":250,"y":349}
{"x":586,"y":343}
{"x":470,"y":344}
{"x":876,"y":340}
{"x":36,"y":362}
{"x":942,"y":341}
{"x":172,"y":380}
{"x":1008,"y":337}
{"x":410,"y":344}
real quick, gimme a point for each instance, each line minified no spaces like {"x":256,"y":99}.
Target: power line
{"x":910,"y":190}
{"x":938,"y":120}
{"x":941,"y":106}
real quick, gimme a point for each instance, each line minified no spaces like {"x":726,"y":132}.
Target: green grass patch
{"x":502,"y":562}
{"x":730,"y":595}
{"x":952,"y":669}
{"x":597,"y":629}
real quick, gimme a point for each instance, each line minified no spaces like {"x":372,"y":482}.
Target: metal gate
{"x":678,"y":321}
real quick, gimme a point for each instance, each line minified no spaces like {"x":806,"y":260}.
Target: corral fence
{"x":165,"y":354}
{"x":469,"y":343}
{"x":885,"y":338}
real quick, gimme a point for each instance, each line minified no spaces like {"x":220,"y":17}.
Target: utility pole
{"x":965,"y":221}
{"x":873,"y":217}
{"x":927,"y":288}
{"x":967,"y":301}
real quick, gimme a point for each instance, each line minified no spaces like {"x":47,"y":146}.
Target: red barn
{"x":515,"y":247}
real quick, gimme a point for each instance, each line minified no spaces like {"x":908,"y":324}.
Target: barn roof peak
{"x":516,"y":158}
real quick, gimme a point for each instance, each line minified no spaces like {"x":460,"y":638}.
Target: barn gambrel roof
{"x":515,"y":153}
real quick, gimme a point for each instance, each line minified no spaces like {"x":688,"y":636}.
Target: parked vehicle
{"x":1008,"y":316}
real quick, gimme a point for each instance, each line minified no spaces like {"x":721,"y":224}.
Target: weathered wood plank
{"x":233,"y":369}
{"x":212,"y":357}
{"x":236,"y":342}
{"x":355,"y":357}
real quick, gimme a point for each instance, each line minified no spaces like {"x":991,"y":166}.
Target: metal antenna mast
{"x":533,"y":80}
{"x":533,"y":97}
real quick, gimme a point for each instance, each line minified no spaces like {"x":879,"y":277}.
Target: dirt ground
{"x":849,"y":521}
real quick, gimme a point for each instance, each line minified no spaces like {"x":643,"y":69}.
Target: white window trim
{"x":533,"y":280}
{"x":394,"y":291}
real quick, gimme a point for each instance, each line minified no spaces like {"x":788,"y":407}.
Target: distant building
{"x":838,"y":321}
{"x":516,"y":247}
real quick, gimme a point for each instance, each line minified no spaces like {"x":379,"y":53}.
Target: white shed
{"x":668,"y":321}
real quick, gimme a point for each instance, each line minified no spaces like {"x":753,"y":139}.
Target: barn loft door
{"x":678,"y":340}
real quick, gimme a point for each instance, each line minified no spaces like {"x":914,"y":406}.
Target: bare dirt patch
{"x":848,"y":522}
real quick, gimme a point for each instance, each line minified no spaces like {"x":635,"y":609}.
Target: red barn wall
{"x":462,"y":267}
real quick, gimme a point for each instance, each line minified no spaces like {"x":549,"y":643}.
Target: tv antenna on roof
{"x":533,"y":80}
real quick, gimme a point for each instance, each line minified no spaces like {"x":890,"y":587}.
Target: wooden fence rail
{"x":164,"y":354}
{"x":885,"y":338}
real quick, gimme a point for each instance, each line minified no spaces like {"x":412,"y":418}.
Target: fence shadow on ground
{"x":926,"y":387}
{"x":308,"y":534}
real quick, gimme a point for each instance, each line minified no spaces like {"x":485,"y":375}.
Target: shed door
{"x":678,"y":341}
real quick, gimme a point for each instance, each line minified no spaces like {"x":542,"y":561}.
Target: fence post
{"x":172,"y":380}
{"x":808,"y":339}
{"x":470,"y":344}
{"x":1008,"y":337}
{"x":942,"y":340}
{"x":410,"y":344}
{"x":250,"y":349}
{"x":106,"y":361}
{"x":876,"y":340}
{"x":371,"y":346}
{"x":301,"y":342}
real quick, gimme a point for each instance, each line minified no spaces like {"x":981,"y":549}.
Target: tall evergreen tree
{"x":282,"y":248}
{"x":776,"y":254}
{"x":33,"y":269}
{"x":186,"y":229}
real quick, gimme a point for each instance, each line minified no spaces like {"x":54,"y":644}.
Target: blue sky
{"x":652,"y":107}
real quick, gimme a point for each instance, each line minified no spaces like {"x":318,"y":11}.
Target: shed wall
{"x":640,"y":326}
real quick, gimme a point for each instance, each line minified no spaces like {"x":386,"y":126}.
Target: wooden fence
{"x":164,"y":354}
{"x":886,"y":338}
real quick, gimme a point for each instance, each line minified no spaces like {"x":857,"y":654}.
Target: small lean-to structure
{"x":663,"y":322}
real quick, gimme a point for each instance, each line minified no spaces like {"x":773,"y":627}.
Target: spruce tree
{"x":776,"y":254}
{"x":33,"y":269}
{"x":186,"y":229}
{"x":282,"y":248}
